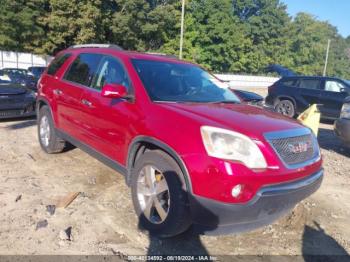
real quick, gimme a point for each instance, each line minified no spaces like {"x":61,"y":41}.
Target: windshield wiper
{"x":225,"y":102}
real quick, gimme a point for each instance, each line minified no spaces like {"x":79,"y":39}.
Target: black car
{"x":293,"y":95}
{"x":21,"y":77}
{"x":249,"y":97}
{"x":16,"y":101}
{"x":342,"y":125}
{"x":36,"y":71}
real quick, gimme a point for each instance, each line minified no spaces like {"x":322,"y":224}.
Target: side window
{"x":111,"y":71}
{"x":84,"y":68}
{"x":309,"y":83}
{"x":57,"y":63}
{"x":289,"y":82}
{"x":334,"y":86}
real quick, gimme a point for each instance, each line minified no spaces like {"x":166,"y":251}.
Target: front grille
{"x":10,"y":113}
{"x":295,"y":150}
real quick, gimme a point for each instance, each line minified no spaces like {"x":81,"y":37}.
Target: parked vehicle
{"x":342,"y":125}
{"x":20,"y":76}
{"x":247,"y":97}
{"x":292,"y":95}
{"x":16,"y":101}
{"x":36,"y":71}
{"x":190,"y":151}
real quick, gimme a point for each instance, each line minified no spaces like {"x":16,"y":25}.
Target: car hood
{"x":245,"y":119}
{"x":12,"y":89}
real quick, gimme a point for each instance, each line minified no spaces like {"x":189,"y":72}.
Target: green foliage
{"x":239,"y":36}
{"x":19,"y":30}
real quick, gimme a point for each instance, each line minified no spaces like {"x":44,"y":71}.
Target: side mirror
{"x":114,"y":91}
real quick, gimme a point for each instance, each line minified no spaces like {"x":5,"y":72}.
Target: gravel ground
{"x":102,"y":220}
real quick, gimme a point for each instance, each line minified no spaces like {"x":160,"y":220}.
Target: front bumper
{"x":14,"y":112}
{"x":342,"y":129}
{"x":270,"y":203}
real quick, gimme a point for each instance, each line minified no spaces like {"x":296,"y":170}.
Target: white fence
{"x":245,"y":81}
{"x":22,"y":60}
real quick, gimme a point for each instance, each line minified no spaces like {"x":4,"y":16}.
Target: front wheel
{"x":285,"y":107}
{"x":48,"y":138}
{"x":158,"y":197}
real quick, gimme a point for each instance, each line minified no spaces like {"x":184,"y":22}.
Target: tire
{"x":285,"y":107}
{"x":48,"y":138}
{"x":173,"y":202}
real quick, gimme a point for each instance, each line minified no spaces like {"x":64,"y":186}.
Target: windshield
{"x":175,"y":82}
{"x":347,"y":81}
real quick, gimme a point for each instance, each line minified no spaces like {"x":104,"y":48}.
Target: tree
{"x":266,"y":23}
{"x":71,"y":22}
{"x":19,"y":30}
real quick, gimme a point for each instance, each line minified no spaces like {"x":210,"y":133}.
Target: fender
{"x":46,"y":102}
{"x":134,"y":146}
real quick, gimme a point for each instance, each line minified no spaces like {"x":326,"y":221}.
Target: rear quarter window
{"x":288,"y":82}
{"x":57,"y":63}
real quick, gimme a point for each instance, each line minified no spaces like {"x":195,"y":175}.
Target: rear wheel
{"x":285,"y":107}
{"x":159,"y":199}
{"x":48,"y":138}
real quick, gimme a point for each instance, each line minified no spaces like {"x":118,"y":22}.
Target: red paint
{"x":110,"y":125}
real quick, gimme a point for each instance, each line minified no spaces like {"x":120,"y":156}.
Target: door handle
{"x":57,"y":92}
{"x":86,"y":102}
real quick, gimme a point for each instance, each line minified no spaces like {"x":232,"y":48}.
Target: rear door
{"x":332,"y":97}
{"x":106,"y":121}
{"x":309,"y":91}
{"x":74,"y":82}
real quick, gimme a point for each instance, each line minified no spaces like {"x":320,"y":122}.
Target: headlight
{"x":345,"y":112}
{"x":230,"y":145}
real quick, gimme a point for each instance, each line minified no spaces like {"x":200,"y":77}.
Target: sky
{"x":336,"y":12}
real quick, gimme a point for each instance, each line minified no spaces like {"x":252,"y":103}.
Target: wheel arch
{"x":284,"y":97}
{"x":44,"y":102}
{"x":142,"y":144}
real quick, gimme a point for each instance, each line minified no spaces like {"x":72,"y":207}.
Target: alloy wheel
{"x":44,"y":131}
{"x":153,"y":194}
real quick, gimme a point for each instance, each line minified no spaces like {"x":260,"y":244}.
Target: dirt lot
{"x":102,"y":219}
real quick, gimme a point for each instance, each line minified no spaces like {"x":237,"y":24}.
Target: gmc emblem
{"x":300,"y":147}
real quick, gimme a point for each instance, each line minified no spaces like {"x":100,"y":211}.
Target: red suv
{"x":190,"y":151}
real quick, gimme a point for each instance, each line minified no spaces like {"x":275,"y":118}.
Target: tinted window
{"x":84,"y":69}
{"x":334,"y":86}
{"x":178,"y":82}
{"x":57,"y":63}
{"x":309,"y":83}
{"x":110,"y":72}
{"x":288,"y":82}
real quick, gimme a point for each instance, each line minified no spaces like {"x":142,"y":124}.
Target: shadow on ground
{"x":318,"y":246}
{"x":329,"y":141}
{"x":24,"y":122}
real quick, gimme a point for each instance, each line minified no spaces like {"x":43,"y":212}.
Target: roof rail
{"x":117,"y":47}
{"x":162,"y":54}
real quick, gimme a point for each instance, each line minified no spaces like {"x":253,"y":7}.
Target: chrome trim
{"x":291,"y":186}
{"x":294,"y":133}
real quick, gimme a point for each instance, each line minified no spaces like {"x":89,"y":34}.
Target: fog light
{"x":236,"y":190}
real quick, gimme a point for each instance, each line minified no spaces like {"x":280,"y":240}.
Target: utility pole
{"x":326,"y":62}
{"x":182,"y":28}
